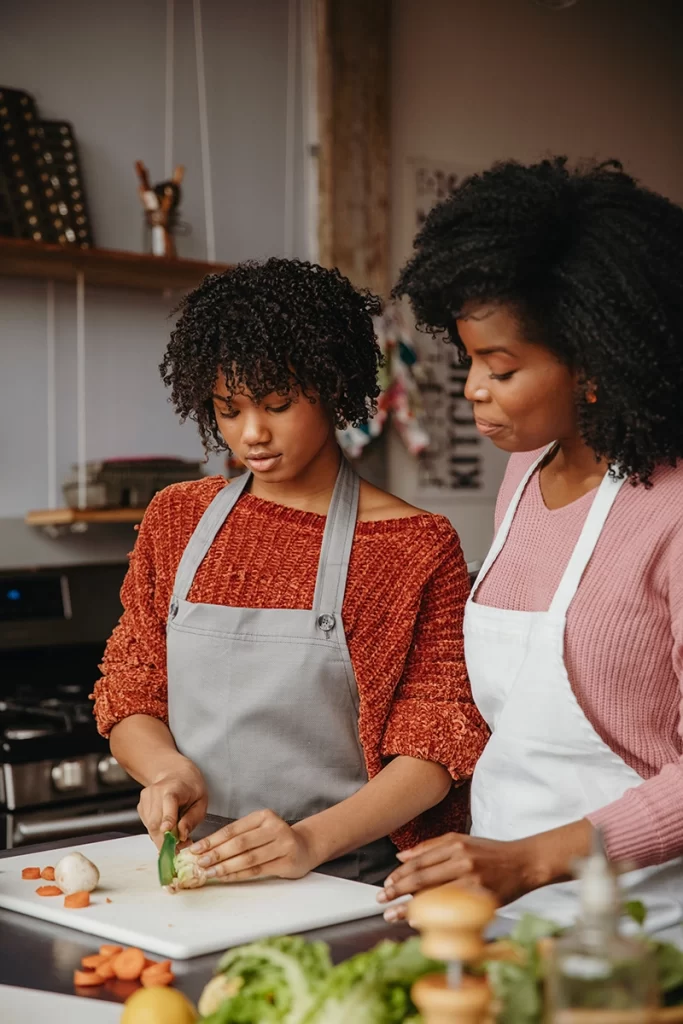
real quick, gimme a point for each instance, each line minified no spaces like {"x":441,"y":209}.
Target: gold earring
{"x":591,"y":397}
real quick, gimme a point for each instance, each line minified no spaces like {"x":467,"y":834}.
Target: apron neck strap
{"x":205,"y":533}
{"x":504,"y":528}
{"x":585,"y":546}
{"x":335,"y":552}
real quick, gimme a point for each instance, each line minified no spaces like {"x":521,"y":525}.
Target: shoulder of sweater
{"x":187,"y":500}
{"x":424,"y":542}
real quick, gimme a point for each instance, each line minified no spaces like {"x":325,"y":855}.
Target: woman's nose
{"x":254,"y":429}
{"x":474,"y":389}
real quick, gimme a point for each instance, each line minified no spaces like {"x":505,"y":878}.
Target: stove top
{"x":40,"y":725}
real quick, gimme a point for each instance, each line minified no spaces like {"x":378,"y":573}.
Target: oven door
{"x":25,"y":826}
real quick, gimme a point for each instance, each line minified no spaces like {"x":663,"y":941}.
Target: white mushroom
{"x":75,"y":873}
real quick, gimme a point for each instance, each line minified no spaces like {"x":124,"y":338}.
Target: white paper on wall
{"x":458,"y":458}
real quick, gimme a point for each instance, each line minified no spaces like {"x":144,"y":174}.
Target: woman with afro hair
{"x":290,"y":656}
{"x":563,"y":290}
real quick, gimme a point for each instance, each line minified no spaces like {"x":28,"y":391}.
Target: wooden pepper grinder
{"x":452,"y":920}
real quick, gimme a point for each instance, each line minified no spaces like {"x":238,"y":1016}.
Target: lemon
{"x":158,"y":1006}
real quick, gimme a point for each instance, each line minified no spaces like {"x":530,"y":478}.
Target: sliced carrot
{"x":48,"y":874}
{"x":87,"y":978}
{"x":156,"y":979}
{"x":109,"y":951}
{"x":49,"y":890}
{"x":30,"y":874}
{"x":161,"y":968}
{"x":77,"y":900}
{"x":106,"y":971}
{"x":91,"y":963}
{"x":129,"y":965}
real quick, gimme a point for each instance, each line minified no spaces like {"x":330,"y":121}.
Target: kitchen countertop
{"x":36,"y":954}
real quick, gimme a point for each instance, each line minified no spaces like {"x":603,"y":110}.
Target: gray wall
{"x":101,"y":66}
{"x":483,"y":80}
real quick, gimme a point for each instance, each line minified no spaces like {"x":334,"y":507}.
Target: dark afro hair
{"x":268,"y":326}
{"x":592,"y":264}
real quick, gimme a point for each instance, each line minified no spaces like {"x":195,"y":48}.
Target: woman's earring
{"x":591,"y":397}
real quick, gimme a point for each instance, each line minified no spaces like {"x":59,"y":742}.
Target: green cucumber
{"x":167,"y":870}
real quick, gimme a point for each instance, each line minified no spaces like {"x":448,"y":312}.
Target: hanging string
{"x":309,"y":127}
{"x":80,"y":388}
{"x":290,"y":128}
{"x":51,"y":414}
{"x":170,"y":56}
{"x":204,"y":132}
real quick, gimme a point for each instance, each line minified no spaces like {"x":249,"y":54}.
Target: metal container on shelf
{"x":128,"y":483}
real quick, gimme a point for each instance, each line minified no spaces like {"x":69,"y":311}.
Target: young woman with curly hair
{"x":290,"y":654}
{"x":563,"y":290}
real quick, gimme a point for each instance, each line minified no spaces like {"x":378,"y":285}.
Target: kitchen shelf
{"x":54,"y":517}
{"x":106,"y":268}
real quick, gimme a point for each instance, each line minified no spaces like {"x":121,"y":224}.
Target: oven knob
{"x":68,"y":775}
{"x":111,"y":773}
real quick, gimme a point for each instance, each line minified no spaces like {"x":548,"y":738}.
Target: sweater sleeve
{"x":645,"y":825}
{"x":133,"y":669}
{"x":433,"y":715}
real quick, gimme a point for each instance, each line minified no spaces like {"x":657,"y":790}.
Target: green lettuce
{"x":373,"y":987}
{"x":517,"y":985}
{"x":275,"y":980}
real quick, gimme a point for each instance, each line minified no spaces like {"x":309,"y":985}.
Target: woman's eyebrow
{"x":493,"y":349}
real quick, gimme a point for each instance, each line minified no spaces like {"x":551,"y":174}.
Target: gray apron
{"x":264,"y":700}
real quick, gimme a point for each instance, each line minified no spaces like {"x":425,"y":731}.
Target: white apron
{"x":545,"y":765}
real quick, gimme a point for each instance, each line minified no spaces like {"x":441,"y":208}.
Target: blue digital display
{"x":24,"y":597}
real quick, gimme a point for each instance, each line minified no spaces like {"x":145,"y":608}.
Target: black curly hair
{"x":268,"y":326}
{"x":592,"y":264}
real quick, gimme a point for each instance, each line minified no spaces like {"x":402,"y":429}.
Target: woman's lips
{"x":262,"y":463}
{"x":487,"y":428}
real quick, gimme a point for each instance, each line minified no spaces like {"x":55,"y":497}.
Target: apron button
{"x":326,"y":623}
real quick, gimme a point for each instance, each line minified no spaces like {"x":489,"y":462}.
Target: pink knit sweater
{"x":624,"y":639}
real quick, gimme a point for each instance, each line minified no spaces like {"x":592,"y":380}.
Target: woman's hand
{"x":508,"y":870}
{"x":259,"y":844}
{"x":176,"y":799}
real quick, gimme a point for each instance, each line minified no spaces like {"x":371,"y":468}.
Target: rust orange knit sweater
{"x":403,"y":613}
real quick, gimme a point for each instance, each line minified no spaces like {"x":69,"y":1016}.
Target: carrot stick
{"x":77,"y":900}
{"x":49,"y":890}
{"x":87,"y":978}
{"x":48,"y":874}
{"x":30,"y":874}
{"x":156,"y":979}
{"x":129,"y":965}
{"x":110,"y":951}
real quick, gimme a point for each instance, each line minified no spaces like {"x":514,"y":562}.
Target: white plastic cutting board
{"x":28,"y":1006}
{"x":191,"y":922}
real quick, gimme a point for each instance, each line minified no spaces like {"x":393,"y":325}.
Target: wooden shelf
{"x":73,"y":516}
{"x":105,"y":268}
